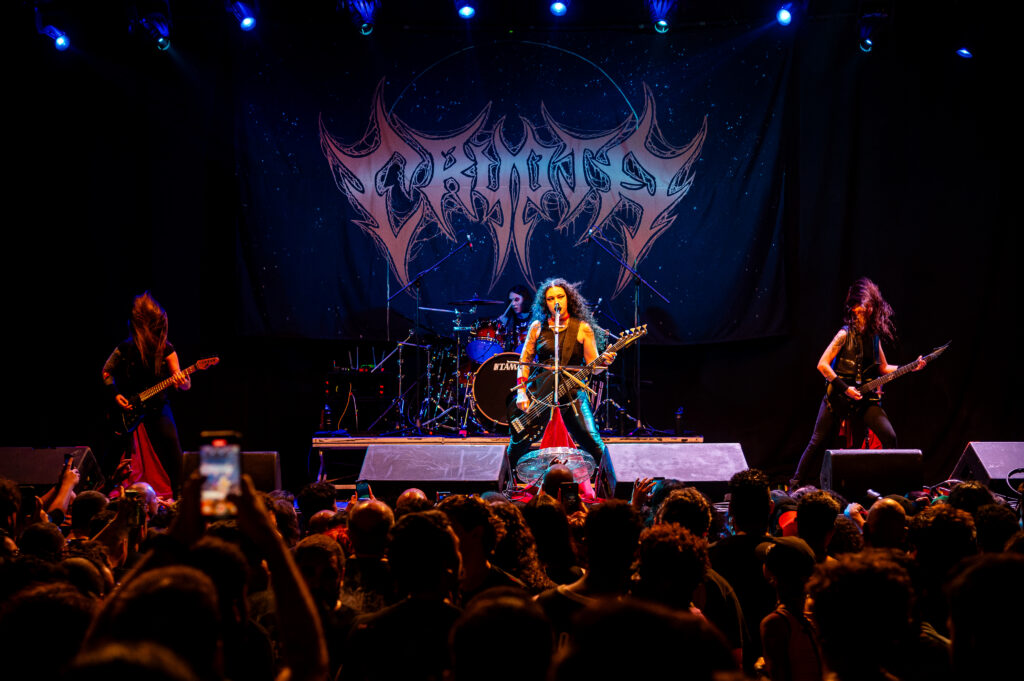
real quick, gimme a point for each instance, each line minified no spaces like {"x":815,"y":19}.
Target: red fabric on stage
{"x":556,"y":434}
{"x":146,"y":467}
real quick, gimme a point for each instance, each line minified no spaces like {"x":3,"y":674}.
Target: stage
{"x":477,"y":464}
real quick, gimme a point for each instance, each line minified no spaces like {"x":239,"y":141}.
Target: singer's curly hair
{"x":577,"y":304}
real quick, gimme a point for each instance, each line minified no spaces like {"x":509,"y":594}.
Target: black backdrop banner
{"x":550,"y":159}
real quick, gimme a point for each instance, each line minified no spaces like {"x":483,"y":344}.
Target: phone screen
{"x":221,"y":467}
{"x":570,"y":493}
{"x":362,"y":490}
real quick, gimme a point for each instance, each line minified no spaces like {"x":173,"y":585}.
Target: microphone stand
{"x":599,"y":239}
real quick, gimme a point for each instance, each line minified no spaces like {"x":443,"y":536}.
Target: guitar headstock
{"x":206,"y":363}
{"x":631,"y":335}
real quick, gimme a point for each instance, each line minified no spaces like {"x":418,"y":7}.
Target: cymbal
{"x":477,"y":301}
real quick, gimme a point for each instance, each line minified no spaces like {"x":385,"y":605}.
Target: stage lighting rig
{"x":875,"y":17}
{"x":244,"y":14}
{"x":559,"y":8}
{"x":465,"y":9}
{"x":60,"y":39}
{"x":785,"y":14}
{"x":364,"y":14}
{"x":152,"y":19}
{"x":661,"y":13}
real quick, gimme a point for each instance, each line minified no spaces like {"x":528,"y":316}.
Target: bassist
{"x":145,"y":358}
{"x":579,"y":337}
{"x":853,"y":355}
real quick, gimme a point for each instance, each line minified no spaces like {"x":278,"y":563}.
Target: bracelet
{"x":520,"y":380}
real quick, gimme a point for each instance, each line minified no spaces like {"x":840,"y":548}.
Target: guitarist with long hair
{"x":146,"y":358}
{"x":853,"y":355}
{"x":559,"y":304}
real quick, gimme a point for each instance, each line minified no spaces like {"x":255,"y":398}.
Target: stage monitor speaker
{"x":989,"y":462}
{"x":852,"y":472}
{"x":41,"y":467}
{"x":460,"y":469}
{"x":708,"y":466}
{"x":263,"y":467}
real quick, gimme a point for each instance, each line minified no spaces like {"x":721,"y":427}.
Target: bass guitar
{"x":528,"y":426}
{"x":844,"y":405}
{"x":126,"y":421}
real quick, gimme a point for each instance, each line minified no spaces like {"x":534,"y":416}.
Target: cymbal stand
{"x":594,"y":236}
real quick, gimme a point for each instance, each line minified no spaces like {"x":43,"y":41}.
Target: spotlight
{"x":963,"y":53}
{"x":785,"y":14}
{"x":866,"y":44}
{"x":465,"y":9}
{"x":243,"y":14}
{"x":154,"y":23}
{"x":363,"y":15}
{"x":661,"y":12}
{"x":559,"y":8}
{"x":60,"y":39}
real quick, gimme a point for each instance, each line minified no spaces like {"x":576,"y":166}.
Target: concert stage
{"x":477,"y":464}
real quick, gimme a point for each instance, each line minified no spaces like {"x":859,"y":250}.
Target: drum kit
{"x":471,"y":375}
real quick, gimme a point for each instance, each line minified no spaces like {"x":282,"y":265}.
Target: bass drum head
{"x":493,"y":386}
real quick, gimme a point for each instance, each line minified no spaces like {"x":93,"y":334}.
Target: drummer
{"x":515,"y":321}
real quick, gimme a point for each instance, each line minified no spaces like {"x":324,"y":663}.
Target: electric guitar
{"x":844,"y":404}
{"x":126,"y":421}
{"x":528,"y":426}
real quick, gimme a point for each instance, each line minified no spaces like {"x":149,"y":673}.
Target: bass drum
{"x":494,"y":387}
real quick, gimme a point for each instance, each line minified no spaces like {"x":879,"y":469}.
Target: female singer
{"x":558,"y":306}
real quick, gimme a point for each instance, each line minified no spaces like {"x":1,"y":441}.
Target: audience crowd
{"x":784,"y":585}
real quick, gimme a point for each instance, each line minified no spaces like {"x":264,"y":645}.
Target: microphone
{"x":558,"y":309}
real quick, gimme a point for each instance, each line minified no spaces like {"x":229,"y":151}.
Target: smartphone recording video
{"x":221,"y":466}
{"x":362,"y":490}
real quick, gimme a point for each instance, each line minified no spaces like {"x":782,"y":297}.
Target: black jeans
{"x":825,"y":430}
{"x":583,"y":429}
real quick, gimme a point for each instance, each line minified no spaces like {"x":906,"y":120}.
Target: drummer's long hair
{"x":577,"y":304}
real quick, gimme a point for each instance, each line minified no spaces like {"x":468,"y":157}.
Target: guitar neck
{"x":163,"y":385}
{"x":905,"y":369}
{"x":584,"y":374}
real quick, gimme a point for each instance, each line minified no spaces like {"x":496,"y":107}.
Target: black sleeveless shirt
{"x":859,"y":354}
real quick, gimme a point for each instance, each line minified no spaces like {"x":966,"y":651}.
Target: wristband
{"x":521,"y":381}
{"x":840,"y":384}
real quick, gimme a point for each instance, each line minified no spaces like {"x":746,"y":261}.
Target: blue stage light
{"x":558,"y":8}
{"x":661,"y":26}
{"x":466,"y":10}
{"x":366,"y":28}
{"x":866,"y":44}
{"x":243,"y":14}
{"x":60,"y":39}
{"x":785,"y":15}
{"x":964,"y":53}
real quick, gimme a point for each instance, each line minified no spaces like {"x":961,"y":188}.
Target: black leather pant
{"x":582,"y":427}
{"x":825,"y":430}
